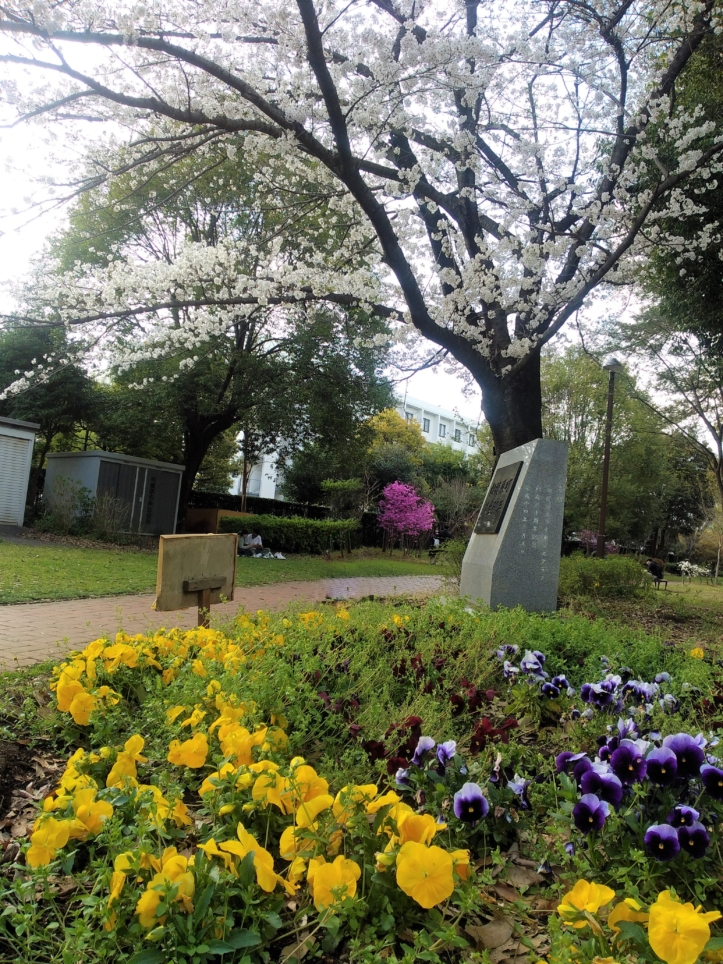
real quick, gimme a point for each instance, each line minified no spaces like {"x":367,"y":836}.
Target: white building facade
{"x":440,"y":424}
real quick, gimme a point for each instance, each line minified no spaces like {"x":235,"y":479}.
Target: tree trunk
{"x":193,"y":456}
{"x":513,"y":406}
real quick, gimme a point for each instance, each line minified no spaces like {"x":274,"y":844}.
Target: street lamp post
{"x":612,"y":365}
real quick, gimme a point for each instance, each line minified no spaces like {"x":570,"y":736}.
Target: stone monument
{"x":513,"y":556}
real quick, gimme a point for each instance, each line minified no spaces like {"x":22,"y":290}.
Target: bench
{"x":657,"y":582}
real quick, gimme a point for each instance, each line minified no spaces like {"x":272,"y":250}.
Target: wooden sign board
{"x":195,"y":570}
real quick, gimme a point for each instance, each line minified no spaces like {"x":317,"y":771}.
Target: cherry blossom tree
{"x":403,"y":512}
{"x":483,"y":166}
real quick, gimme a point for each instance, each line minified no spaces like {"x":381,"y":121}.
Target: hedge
{"x":613,"y":576}
{"x":200,"y":499}
{"x":295,"y":533}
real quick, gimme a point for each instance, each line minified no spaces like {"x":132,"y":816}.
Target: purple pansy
{"x":425,"y":744}
{"x":601,"y":781}
{"x":509,"y":669}
{"x":682,"y":816}
{"x":519,"y":786}
{"x":507,"y":651}
{"x":688,"y":751}
{"x":589,"y":813}
{"x":662,"y":766}
{"x":470,"y":804}
{"x":712,"y":778}
{"x":401,"y":778}
{"x":550,"y":690}
{"x":662,"y":842}
{"x":446,"y":752}
{"x":694,"y":840}
{"x":628,"y":762}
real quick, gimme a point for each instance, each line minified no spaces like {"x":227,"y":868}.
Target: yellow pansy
{"x":174,"y":712}
{"x":425,"y":873}
{"x":584,"y":896}
{"x":292,"y":843}
{"x":417,"y":827}
{"x":48,"y":837}
{"x":266,"y":876}
{"x":331,"y":883}
{"x":81,"y":706}
{"x":90,"y":812}
{"x":348,"y":798}
{"x":308,"y":811}
{"x":678,"y":932}
{"x":122,"y":771}
{"x":191,"y":753}
{"x":272,"y":788}
{"x":460,"y":861}
{"x":374,"y":806}
{"x":697,"y":653}
{"x":66,"y":691}
{"x":213,"y":780}
{"x":629,"y":910}
{"x":133,"y":747}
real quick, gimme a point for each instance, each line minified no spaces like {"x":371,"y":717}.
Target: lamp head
{"x":613,"y":365}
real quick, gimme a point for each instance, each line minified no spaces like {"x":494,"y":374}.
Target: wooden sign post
{"x":196,"y":570}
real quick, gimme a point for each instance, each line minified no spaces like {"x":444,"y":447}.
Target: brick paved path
{"x":30,"y":633}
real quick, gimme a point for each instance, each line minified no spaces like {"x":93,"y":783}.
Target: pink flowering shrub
{"x":403,"y":512}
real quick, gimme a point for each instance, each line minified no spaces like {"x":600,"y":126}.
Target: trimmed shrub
{"x":297,"y":534}
{"x":615,"y":576}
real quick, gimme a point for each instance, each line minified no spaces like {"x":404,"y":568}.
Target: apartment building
{"x":439,"y":424}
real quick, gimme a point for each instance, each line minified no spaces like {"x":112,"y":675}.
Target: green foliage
{"x":61,"y":402}
{"x":295,"y":533}
{"x":658,"y":482}
{"x":614,"y":576}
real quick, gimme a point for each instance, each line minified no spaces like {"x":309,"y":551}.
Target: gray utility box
{"x":16,"y":453}
{"x":148,"y":489}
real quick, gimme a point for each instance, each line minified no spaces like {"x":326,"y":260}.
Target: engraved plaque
{"x":497,"y":499}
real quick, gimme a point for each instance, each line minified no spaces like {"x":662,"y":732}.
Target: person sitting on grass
{"x":253,"y":543}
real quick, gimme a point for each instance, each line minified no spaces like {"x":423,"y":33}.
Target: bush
{"x":69,"y":511}
{"x":454,"y":550}
{"x":616,"y":576}
{"x":297,"y":534}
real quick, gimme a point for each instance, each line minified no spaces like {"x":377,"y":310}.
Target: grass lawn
{"x":32,"y":573}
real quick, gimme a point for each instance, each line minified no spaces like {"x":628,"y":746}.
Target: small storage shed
{"x":149,"y":489}
{"x":16,"y":453}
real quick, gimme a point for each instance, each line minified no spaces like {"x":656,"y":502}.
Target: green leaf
{"x":630,"y":931}
{"x":273,"y":919}
{"x":203,"y":902}
{"x":219,"y":947}
{"x":246,"y":873}
{"x":149,"y":956}
{"x":714,"y":944}
{"x":239,"y":939}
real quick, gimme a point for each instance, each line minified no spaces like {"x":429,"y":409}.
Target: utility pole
{"x":612,"y":365}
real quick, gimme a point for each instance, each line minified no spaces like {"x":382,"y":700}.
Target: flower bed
{"x":378,"y":782}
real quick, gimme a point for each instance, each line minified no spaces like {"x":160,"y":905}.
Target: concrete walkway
{"x":33,"y":632}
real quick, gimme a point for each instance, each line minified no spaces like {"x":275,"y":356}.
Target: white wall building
{"x":439,"y":424}
{"x":263,"y":481}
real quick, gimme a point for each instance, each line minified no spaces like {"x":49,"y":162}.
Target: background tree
{"x":60,"y":401}
{"x":659,"y":483}
{"x":278,"y":375}
{"x":495,"y":168}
